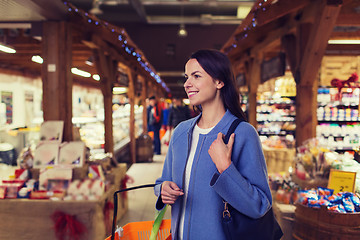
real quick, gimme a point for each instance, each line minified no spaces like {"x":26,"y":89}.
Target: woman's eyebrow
{"x":195,"y":72}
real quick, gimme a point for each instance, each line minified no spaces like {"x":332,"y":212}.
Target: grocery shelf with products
{"x":92,"y":132}
{"x":275,"y":111}
{"x":338,"y":118}
{"x":276,"y":115}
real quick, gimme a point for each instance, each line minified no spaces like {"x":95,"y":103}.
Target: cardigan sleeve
{"x":165,"y":176}
{"x":244,"y":184}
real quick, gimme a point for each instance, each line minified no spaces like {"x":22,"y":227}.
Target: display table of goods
{"x":55,"y":214}
{"x":320,"y":198}
{"x":58,"y":192}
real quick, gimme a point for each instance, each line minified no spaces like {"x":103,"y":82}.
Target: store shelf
{"x":276,"y":117}
{"x":281,"y":133}
{"x":339,"y":120}
{"x":346,"y":121}
{"x":92,"y":131}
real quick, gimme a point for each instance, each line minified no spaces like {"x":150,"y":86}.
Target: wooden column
{"x":56,"y":74}
{"x":107,"y":68}
{"x":143,"y":100}
{"x":131,"y":95}
{"x":311,"y":46}
{"x":151,"y":89}
{"x":253,"y":81}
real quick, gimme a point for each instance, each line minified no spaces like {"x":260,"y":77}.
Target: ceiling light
{"x":88,"y":62}
{"x":76,"y":71}
{"x":111,"y":2}
{"x":96,"y":10}
{"x":182,"y":31}
{"x":96,"y":77}
{"x":344,"y":41}
{"x":119,"y":90}
{"x":37,"y":59}
{"x":243,"y":11}
{"x":79,"y":72}
{"x":7,"y":49}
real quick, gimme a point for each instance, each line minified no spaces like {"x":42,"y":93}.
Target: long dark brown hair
{"x":218,"y":66}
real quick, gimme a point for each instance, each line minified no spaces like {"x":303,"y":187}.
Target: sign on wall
{"x":7,"y":98}
{"x":272,"y":68}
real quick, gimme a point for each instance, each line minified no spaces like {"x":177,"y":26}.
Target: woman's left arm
{"x":242,"y":178}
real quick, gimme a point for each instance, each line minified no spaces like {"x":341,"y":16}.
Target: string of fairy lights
{"x":121,"y":38}
{"x":261,"y":6}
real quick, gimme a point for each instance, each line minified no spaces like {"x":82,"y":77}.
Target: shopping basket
{"x":138,"y":230}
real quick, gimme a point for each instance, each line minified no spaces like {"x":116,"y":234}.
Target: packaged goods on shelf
{"x":87,"y":201}
{"x":339,"y":137}
{"x":279,"y":159}
{"x":350,"y":96}
{"x":346,"y":162}
{"x":284,"y":190}
{"x":321,"y":214}
{"x":314,"y":160}
{"x":51,"y":131}
{"x":276,"y":120}
{"x":312,"y":163}
{"x":46,"y":154}
{"x":343,"y":202}
{"x":92,"y":133}
{"x":338,"y":117}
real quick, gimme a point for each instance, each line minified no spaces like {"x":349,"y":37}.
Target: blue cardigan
{"x":244,"y":184}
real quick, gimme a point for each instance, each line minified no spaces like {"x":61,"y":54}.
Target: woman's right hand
{"x":170,"y":192}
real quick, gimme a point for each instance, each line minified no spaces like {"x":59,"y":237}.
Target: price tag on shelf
{"x":342,"y":181}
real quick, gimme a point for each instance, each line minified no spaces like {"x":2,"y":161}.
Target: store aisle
{"x":142,"y":201}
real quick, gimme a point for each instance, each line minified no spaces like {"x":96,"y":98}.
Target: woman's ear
{"x":219,"y":84}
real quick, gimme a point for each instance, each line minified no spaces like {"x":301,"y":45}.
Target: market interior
{"x":75,"y":78}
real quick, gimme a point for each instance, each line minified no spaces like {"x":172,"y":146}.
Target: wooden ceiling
{"x":276,"y":19}
{"x":281,"y":17}
{"x":27,"y":42}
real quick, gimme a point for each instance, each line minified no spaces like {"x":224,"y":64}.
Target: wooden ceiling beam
{"x":348,"y":19}
{"x":12,"y":70}
{"x":317,"y":42}
{"x":88,"y":82}
{"x":349,"y":15}
{"x":272,"y":42}
{"x":345,"y":35}
{"x":278,"y":10}
{"x":257,"y":36}
{"x":343,"y":49}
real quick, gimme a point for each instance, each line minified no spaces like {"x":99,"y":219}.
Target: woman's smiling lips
{"x":192,"y":93}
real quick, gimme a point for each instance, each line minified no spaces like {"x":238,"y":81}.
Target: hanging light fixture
{"x":7,"y":49}
{"x":81,"y":73}
{"x":96,"y":77}
{"x":344,"y":41}
{"x":37,"y":59}
{"x":182,"y":31}
{"x":96,"y":8}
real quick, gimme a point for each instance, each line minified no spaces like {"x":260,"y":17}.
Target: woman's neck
{"x":211,"y":116}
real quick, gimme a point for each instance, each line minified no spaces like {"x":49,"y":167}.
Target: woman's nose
{"x":187,"y":83}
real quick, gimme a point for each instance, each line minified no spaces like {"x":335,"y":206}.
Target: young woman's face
{"x":200,"y":86}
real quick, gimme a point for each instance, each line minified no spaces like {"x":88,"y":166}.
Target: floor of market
{"x":142,"y":201}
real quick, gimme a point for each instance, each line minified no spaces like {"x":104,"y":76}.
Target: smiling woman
{"x":215,"y":67}
{"x":200,"y":86}
{"x":201,"y":170}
